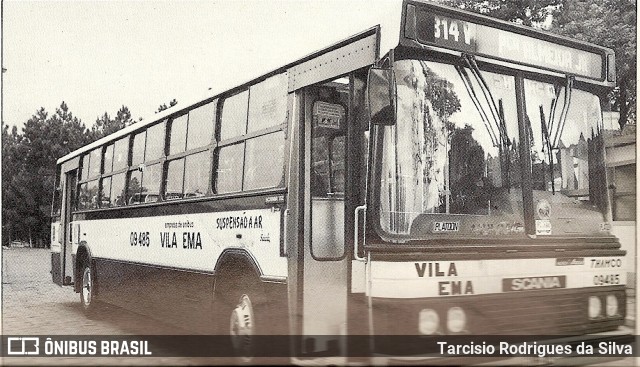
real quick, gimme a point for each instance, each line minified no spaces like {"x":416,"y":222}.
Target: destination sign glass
{"x":460,"y":35}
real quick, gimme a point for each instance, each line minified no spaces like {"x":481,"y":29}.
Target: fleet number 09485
{"x":139,"y":239}
{"x":608,"y":279}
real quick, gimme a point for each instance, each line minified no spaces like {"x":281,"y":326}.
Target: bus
{"x":439,"y":174}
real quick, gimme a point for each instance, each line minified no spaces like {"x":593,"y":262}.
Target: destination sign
{"x":445,"y":31}
{"x":461,"y":35}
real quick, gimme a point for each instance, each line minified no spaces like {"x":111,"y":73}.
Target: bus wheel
{"x":240,"y":308}
{"x":242,"y":328}
{"x":87,"y":290}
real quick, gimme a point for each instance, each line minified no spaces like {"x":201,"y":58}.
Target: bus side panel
{"x":161,"y":262}
{"x":170,"y":295}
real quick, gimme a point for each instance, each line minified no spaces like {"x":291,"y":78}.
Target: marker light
{"x":428,"y":321}
{"x":612,"y":305}
{"x":456,"y":319}
{"x":595,"y":307}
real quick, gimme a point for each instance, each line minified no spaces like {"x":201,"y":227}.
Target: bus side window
{"x":201,"y":124}
{"x":264,"y":161}
{"x":228,"y":175}
{"x":233,"y":121}
{"x":133,"y":187}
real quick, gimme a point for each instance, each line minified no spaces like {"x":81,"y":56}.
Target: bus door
{"x":325,"y":275}
{"x":321,"y":198}
{"x":69,"y":193}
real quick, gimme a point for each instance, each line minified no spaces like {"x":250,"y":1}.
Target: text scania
{"x":239,"y":222}
{"x":448,"y":287}
{"x":533,"y":283}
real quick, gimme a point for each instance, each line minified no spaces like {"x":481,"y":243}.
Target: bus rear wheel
{"x":242,"y":328}
{"x":240,"y":317}
{"x":87,"y":290}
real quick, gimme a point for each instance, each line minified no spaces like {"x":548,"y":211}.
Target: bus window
{"x":328,"y":129}
{"x":178,"y":137}
{"x":196,"y":180}
{"x":108,"y":158}
{"x":56,"y":201}
{"x":228,"y":176}
{"x":137,"y":155}
{"x":454,"y":152}
{"x":268,"y":103}
{"x":105,"y":192}
{"x":120,"y":154}
{"x":88,"y":195}
{"x":201,"y":122}
{"x":320,"y":178}
{"x":117,"y":194}
{"x":264,"y":161}
{"x":155,"y":142}
{"x":328,"y":150}
{"x":338,"y":151}
{"x":151,"y":176}
{"x":133,"y":187}
{"x":566,"y":156}
{"x":94,"y":163}
{"x":234,"y":116}
{"x":174,"y":184}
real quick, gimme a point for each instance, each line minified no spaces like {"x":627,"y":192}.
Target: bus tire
{"x":87,"y":289}
{"x":240,"y":308}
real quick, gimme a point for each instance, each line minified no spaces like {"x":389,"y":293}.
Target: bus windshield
{"x":451,"y":164}
{"x":453,"y":152}
{"x":568,"y":168}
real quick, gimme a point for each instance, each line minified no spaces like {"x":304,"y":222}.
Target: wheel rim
{"x":87,"y":287}
{"x":242,"y":327}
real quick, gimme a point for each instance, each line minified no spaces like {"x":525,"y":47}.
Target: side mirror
{"x":382,"y":96}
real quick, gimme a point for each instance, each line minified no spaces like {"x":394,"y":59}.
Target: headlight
{"x":612,"y":305}
{"x":456,"y":319}
{"x":428,"y":321}
{"x":595,"y":307}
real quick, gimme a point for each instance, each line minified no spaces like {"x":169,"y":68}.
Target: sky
{"x":100,"y":55}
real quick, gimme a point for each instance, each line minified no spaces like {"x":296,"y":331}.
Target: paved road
{"x":33,"y":305}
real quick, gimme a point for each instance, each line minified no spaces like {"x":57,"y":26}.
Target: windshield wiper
{"x":546,"y":146}
{"x":547,"y":129}
{"x":506,"y":179}
{"x":565,"y":110}
{"x":497,"y":119}
{"x":476,"y":102}
{"x":502,"y":141}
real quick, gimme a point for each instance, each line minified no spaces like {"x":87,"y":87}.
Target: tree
{"x":527,"y":12}
{"x":164,"y":106}
{"x":29,"y":161}
{"x":609,"y":23}
{"x":105,"y":125}
{"x":29,"y":166}
{"x":12,"y":164}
